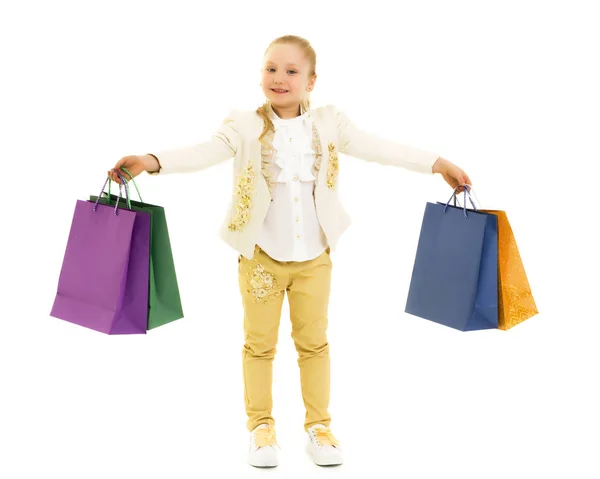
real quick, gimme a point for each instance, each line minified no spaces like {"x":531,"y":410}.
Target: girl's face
{"x":285,"y":69}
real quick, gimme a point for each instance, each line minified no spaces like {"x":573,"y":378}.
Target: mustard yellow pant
{"x":263,"y":283}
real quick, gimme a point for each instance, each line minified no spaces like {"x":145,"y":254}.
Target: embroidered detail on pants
{"x":244,"y":191}
{"x":263,"y":285}
{"x":332,"y":167}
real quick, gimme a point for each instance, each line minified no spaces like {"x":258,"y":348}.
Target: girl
{"x":284,"y":219}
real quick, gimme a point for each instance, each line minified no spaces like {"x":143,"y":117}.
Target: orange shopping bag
{"x":515,"y":299}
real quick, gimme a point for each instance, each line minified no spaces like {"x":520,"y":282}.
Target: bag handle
{"x":108,"y":180}
{"x":466,"y":191}
{"x":471,"y":194}
{"x":124,"y":180}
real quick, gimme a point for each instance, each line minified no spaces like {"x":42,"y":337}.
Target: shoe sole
{"x":265,"y":464}
{"x":309,"y":450}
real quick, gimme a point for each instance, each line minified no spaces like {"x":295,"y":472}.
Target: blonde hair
{"x":311,"y":56}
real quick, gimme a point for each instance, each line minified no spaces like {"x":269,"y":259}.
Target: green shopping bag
{"x":164,"y":301}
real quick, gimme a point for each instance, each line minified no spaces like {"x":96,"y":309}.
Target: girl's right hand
{"x":135,"y":164}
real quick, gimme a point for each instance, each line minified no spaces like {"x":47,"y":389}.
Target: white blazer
{"x":333,"y":133}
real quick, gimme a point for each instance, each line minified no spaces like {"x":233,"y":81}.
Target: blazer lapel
{"x":266,"y":158}
{"x":321,"y":138}
{"x":255,"y":156}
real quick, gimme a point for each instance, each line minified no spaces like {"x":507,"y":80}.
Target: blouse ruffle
{"x":295,"y":157}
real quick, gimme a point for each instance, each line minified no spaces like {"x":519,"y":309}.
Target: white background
{"x":507,"y":90}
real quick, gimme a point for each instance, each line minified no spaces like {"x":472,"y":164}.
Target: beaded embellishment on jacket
{"x":333,"y":166}
{"x":267,"y":153}
{"x":316,"y":141}
{"x":244,"y":192}
{"x":263,"y":285}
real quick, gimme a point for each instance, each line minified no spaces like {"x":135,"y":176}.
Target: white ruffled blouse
{"x":294,"y":152}
{"x":291,"y":230}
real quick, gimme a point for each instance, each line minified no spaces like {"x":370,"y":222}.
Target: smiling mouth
{"x":278,"y":90}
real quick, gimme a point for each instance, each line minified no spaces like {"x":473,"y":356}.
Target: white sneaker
{"x":263,"y":443}
{"x":323,"y":446}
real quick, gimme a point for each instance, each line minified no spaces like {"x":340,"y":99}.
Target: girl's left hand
{"x":452,"y":174}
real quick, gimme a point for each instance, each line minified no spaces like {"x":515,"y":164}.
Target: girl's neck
{"x":285,"y":113}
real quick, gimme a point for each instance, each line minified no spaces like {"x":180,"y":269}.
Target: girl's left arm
{"x":367,"y":146}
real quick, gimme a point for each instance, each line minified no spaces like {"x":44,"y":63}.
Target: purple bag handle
{"x":466,"y":190}
{"x":123,"y":182}
{"x":126,"y":180}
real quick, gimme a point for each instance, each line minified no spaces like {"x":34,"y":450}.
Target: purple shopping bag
{"x":103,"y":283}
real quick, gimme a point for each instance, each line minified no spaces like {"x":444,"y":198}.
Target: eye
{"x":289,"y":71}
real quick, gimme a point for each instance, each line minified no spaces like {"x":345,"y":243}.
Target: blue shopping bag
{"x":455,"y":274}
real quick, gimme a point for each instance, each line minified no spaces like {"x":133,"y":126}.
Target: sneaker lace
{"x":325,"y":437}
{"x":265,"y":436}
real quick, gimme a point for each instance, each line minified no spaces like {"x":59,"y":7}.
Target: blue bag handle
{"x":466,"y":190}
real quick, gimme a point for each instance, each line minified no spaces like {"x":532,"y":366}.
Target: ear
{"x":311,"y":83}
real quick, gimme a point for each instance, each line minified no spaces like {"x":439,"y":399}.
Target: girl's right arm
{"x":222,"y":146}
